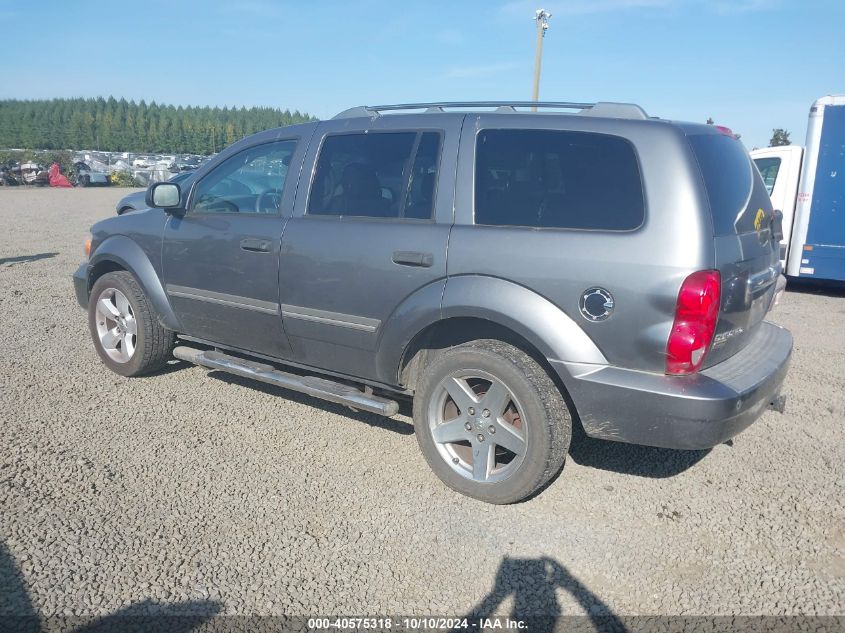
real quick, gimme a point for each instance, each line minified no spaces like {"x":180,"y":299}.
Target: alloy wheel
{"x":117,"y":328}
{"x":478,"y":426}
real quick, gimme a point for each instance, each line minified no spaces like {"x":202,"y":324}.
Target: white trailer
{"x":808,"y":185}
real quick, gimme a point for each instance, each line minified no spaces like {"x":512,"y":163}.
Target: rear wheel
{"x":490,"y":421}
{"x":126,"y":333}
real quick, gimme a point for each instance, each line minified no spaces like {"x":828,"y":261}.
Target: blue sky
{"x":750,"y":64}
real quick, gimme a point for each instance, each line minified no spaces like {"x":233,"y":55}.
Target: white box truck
{"x":808,"y":185}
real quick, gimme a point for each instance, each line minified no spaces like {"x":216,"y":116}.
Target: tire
{"x":84,"y":181}
{"x":456,"y":420}
{"x":126,"y":333}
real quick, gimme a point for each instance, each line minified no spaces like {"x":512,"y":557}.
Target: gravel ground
{"x":189,"y":486}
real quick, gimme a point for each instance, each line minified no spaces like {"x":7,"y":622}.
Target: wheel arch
{"x":476,"y":306}
{"x":119,"y":252}
{"x":453,"y":331}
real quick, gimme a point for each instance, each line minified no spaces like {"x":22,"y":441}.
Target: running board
{"x":311,"y":385}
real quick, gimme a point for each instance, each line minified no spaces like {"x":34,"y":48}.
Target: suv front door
{"x":221,"y":259}
{"x":371,"y":232}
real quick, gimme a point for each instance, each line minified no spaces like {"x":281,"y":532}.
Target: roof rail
{"x":601,"y":109}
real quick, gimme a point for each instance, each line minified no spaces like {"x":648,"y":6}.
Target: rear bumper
{"x":80,"y":284}
{"x":688,"y":412}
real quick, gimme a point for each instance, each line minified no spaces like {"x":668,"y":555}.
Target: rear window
{"x":557,"y":179}
{"x":734,"y":189}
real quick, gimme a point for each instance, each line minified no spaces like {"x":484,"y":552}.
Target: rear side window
{"x":734,"y":188}
{"x":556,"y":179}
{"x":769,"y":168}
{"x":378,"y":174}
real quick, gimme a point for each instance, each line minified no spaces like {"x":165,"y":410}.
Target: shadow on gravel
{"x":22,"y":259}
{"x":377,"y":421}
{"x":14,"y":599}
{"x":816,"y":287}
{"x":533,"y":582}
{"x":169,"y":368}
{"x":630,"y":459}
{"x":18,"y":615}
{"x":145,"y":616}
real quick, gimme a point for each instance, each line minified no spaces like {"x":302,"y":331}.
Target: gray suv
{"x":514,"y":271}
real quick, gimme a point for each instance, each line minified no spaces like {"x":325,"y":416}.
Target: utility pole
{"x":541,"y":18}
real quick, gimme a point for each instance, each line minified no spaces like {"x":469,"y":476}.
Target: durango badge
{"x":596,"y":304}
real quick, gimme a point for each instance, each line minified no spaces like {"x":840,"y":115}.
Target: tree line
{"x":125,"y":126}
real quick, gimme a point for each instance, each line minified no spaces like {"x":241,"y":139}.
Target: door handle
{"x":255,"y":245}
{"x":413,"y":258}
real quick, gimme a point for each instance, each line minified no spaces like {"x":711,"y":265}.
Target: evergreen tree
{"x":117,"y":125}
{"x":779,"y":137}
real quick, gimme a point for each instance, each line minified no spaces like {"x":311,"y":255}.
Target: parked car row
{"x":130,"y":161}
{"x":30,"y":173}
{"x":94,"y":168}
{"x":16,"y":173}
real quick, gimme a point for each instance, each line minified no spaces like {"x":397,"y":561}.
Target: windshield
{"x":768,"y":168}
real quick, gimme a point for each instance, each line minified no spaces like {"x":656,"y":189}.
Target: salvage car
{"x":85,"y":176}
{"x":33,"y":174}
{"x":512,"y":272}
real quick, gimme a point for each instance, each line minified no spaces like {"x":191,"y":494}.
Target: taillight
{"x":88,"y":247}
{"x":695,"y":322}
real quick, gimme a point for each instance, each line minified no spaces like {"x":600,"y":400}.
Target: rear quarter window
{"x":557,"y":179}
{"x":735,"y":189}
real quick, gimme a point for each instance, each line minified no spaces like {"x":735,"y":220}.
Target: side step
{"x":311,"y":385}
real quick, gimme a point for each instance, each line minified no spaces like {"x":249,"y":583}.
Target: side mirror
{"x":164,"y":195}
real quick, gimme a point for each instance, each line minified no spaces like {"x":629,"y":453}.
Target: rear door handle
{"x":413,"y":258}
{"x":255,"y":245}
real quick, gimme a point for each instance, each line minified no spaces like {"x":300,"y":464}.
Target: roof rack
{"x":601,"y":109}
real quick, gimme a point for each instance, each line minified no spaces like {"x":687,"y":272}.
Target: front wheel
{"x":127,"y":335}
{"x":490,"y":421}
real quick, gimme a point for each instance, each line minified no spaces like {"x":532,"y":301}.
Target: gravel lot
{"x":190,"y":486}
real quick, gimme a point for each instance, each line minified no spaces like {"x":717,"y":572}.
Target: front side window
{"x":251,"y":181}
{"x":769,"y":168}
{"x":378,"y":174}
{"x":557,"y":179}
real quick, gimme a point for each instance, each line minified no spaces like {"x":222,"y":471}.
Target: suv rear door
{"x":370,"y":228}
{"x":746,"y":252}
